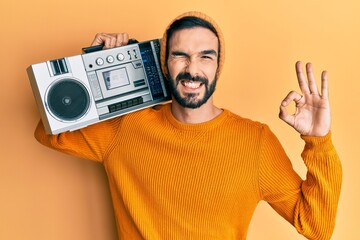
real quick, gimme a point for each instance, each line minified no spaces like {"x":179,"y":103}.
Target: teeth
{"x":191,"y":84}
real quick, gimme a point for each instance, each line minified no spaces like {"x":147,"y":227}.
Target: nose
{"x":193,"y":67}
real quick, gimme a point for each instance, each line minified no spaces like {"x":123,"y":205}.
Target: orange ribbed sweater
{"x":171,"y":180}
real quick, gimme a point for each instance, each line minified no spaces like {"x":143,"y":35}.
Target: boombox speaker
{"x":68,"y":100}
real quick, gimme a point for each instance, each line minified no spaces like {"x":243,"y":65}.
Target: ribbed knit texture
{"x":171,"y":180}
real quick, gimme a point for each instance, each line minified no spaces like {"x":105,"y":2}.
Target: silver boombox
{"x":74,"y":92}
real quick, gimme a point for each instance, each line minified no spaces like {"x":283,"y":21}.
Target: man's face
{"x":192,"y":65}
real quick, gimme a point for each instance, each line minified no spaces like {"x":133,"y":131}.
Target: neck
{"x":206,"y":112}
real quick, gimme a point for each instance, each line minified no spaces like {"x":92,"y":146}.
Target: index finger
{"x":99,"y":39}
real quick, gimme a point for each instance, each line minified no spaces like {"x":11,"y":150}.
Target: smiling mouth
{"x":191,"y":84}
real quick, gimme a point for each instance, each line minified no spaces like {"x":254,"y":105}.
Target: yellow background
{"x":48,"y":195}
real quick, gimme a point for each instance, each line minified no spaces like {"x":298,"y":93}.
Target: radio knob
{"x":99,"y":61}
{"x":120,"y":57}
{"x":110,"y":59}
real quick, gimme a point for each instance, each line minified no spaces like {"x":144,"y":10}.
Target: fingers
{"x":291,"y":97}
{"x":311,"y":79}
{"x":309,"y":86}
{"x":285,"y":116}
{"x":324,"y":85}
{"x":301,"y":78}
{"x":110,"y":40}
{"x":122,"y":39}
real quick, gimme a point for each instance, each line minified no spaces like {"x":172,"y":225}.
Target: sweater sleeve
{"x":310,"y":204}
{"x":92,"y":142}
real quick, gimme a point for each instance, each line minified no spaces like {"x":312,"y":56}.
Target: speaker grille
{"x":68,"y":99}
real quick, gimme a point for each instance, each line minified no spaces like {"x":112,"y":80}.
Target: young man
{"x":191,"y":170}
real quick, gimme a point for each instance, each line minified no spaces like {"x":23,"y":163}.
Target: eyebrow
{"x":179,"y":53}
{"x":209,"y":52}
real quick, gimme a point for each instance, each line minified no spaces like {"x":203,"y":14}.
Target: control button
{"x":99,"y":61}
{"x":110,"y":59}
{"x":120,"y":57}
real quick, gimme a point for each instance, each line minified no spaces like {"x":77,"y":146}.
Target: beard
{"x":191,"y":100}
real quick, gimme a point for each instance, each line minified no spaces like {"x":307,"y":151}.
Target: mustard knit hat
{"x":203,"y":17}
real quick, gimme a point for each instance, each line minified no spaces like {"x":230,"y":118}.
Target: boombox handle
{"x":100,"y":47}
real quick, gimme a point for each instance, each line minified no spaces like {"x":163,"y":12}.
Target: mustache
{"x":187,"y":76}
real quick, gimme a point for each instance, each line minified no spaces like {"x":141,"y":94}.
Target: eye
{"x":206,"y":57}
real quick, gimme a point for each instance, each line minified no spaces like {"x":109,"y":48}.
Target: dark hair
{"x":186,"y":23}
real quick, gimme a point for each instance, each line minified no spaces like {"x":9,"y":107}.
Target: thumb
{"x":285,"y":116}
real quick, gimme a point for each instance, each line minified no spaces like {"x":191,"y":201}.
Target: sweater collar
{"x":194,"y":127}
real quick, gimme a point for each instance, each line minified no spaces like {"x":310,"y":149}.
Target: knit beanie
{"x":203,"y":17}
